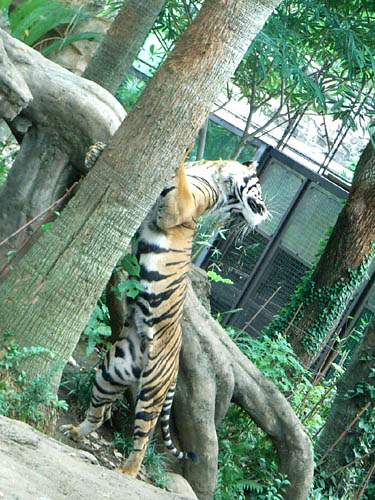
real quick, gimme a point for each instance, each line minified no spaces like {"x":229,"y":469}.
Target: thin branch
{"x":358,"y":459}
{"x":343,"y":433}
{"x":48,"y":209}
{"x":259,"y":310}
{"x":365,"y":482}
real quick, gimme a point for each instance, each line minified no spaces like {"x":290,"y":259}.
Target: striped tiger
{"x":146,"y":355}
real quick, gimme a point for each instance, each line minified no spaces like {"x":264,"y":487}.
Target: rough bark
{"x":346,"y":249}
{"x":49,"y":297}
{"x":114,"y":56}
{"x":108,"y":66}
{"x":354,"y":391}
{"x":213,"y":372}
{"x":60,"y":115}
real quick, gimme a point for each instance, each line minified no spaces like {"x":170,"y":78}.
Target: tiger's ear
{"x":252,"y":165}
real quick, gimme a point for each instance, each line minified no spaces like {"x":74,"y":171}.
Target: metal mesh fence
{"x":279,"y":186}
{"x":268,"y":265}
{"x":236,"y":263}
{"x":316,"y":212}
{"x":282,"y":276}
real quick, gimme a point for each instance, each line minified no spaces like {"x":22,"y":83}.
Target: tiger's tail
{"x":164,"y":420}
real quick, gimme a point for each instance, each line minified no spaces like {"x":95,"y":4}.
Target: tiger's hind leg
{"x":121,"y":367}
{"x":149,"y":405}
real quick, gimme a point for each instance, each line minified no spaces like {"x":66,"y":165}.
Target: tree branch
{"x":214,"y":372}
{"x":60,"y":116}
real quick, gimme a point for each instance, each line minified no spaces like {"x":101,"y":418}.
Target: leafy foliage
{"x":129,"y":91}
{"x":31,"y":20}
{"x":248,"y":465}
{"x":22,"y":397}
{"x":78,"y":384}
{"x":98,"y":327}
{"x":218,"y":279}
{"x":8,"y":151}
{"x":330,"y":301}
{"x":131,"y":286}
{"x":311,"y":55}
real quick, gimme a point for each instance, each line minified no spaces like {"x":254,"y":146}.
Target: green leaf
{"x":130,"y":264}
{"x":4,"y":6}
{"x":131,"y":287}
{"x":30,"y":20}
{"x":91,"y":36}
{"x":218,"y":279}
{"x":104,"y":330}
{"x":46,"y":226}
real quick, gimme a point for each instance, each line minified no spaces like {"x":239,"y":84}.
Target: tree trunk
{"x":125,"y":37}
{"x":116,"y":306}
{"x":60,"y":116}
{"x":340,"y":270}
{"x":354,"y":392}
{"x":213,"y":372}
{"x":49,"y":297}
{"x":108,"y":66}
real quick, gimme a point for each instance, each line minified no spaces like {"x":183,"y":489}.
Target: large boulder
{"x":35,"y":466}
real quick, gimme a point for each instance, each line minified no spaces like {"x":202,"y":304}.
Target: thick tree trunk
{"x":60,"y":116}
{"x":354,"y":392}
{"x":48,"y":298}
{"x":341,"y":268}
{"x":213,"y":372}
{"x":125,"y":37}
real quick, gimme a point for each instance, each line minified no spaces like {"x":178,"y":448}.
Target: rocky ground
{"x":34,"y":466}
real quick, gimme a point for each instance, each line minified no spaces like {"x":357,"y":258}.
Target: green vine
{"x":330,"y":302}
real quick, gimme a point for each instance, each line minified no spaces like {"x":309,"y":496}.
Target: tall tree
{"x":114,"y":56}
{"x":318,"y":303}
{"x":352,"y":406}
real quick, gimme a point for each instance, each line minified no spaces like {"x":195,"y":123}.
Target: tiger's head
{"x":242,"y":193}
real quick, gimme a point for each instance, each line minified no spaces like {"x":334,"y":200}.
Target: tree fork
{"x":211,"y":360}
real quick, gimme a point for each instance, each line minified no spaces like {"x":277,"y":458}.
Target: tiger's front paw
{"x":93,"y":154}
{"x":129,"y":468}
{"x":71,"y":431}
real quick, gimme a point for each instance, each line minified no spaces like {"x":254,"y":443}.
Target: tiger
{"x":146,"y":355}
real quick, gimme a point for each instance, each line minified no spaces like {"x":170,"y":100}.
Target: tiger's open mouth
{"x":257,"y":208}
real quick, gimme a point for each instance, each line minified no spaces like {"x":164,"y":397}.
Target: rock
{"x":178,"y":484}
{"x":35,"y":466}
